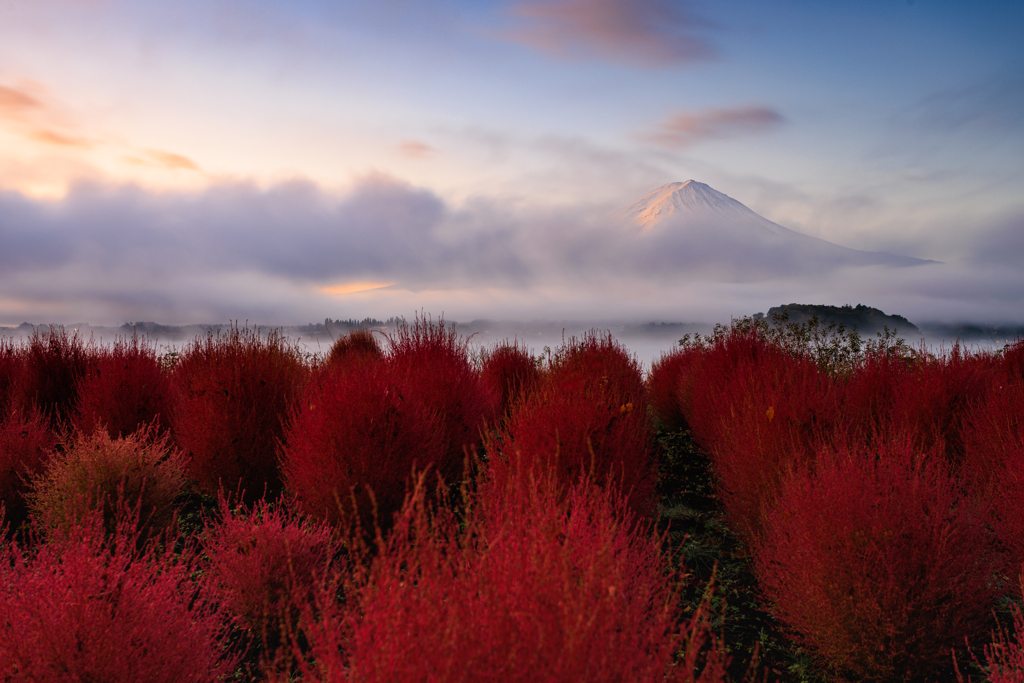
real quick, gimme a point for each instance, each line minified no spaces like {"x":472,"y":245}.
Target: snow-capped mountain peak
{"x":690,"y":201}
{"x":694,"y":224}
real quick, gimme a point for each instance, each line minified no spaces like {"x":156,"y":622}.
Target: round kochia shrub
{"x":510,"y":372}
{"x":353,"y":442}
{"x":994,"y":463}
{"x":575,"y":430}
{"x":231,"y":394}
{"x":588,"y":417}
{"x":96,"y":473}
{"x":430,"y":364}
{"x":12,"y":363}
{"x":758,"y":410}
{"x":86,"y":606}
{"x":599,"y":363}
{"x":358,"y":346}
{"x":540,"y":586}
{"x":876,"y":563}
{"x":668,"y":385}
{"x":264,"y":562}
{"x":26,"y":443}
{"x":54,"y":362}
{"x":927,"y":399}
{"x":123,"y":390}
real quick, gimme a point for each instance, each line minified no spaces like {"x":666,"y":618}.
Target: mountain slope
{"x":691,"y":224}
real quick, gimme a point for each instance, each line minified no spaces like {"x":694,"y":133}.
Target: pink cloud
{"x":160,"y":159}
{"x":15,"y":102}
{"x":686,"y":128}
{"x":414,"y":149}
{"x":646,"y":33}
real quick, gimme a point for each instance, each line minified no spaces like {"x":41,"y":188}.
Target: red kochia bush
{"x":353,"y":442}
{"x":540,"y":587}
{"x":509,"y":371}
{"x":668,"y":386}
{"x":1004,"y":656}
{"x":599,"y":362}
{"x":12,"y":363}
{"x":758,"y":410}
{"x":1012,"y":359}
{"x":876,"y":563}
{"x":261,"y":559}
{"x":587,"y":417}
{"x":231,"y":394}
{"x":54,"y":363}
{"x":26,"y":443}
{"x":358,"y":346}
{"x":88,"y":608}
{"x":430,"y":364}
{"x":926,"y":399}
{"x":124,"y":390}
{"x":575,"y":430}
{"x":994,"y":462}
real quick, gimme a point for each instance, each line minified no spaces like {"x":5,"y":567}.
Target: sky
{"x":284,"y":162}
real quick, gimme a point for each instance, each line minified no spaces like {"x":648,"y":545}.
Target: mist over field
{"x":596,"y":161}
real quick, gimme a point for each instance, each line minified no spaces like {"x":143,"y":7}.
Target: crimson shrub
{"x":353,"y":442}
{"x":876,"y":563}
{"x":355,"y":347}
{"x":123,"y":390}
{"x":54,"y":362}
{"x":26,"y":443}
{"x":87,"y":607}
{"x":264,"y":561}
{"x":927,"y":399}
{"x":577,"y":430}
{"x":668,"y":386}
{"x":12,"y":362}
{"x":430,"y":364}
{"x":1012,"y":359}
{"x":757,"y":410}
{"x":600,"y":363}
{"x":541,"y":586}
{"x":510,"y":372}
{"x":232,"y":392}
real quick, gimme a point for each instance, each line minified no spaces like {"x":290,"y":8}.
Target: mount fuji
{"x":694,"y":226}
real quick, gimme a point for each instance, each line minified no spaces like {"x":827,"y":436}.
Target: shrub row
{"x":881,"y":502}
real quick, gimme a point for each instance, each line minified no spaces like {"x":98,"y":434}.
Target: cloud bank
{"x":293,"y":253}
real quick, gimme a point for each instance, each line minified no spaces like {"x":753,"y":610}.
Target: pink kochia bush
{"x":430,"y":364}
{"x":87,"y":607}
{"x":876,"y":563}
{"x":588,"y":417}
{"x":353,"y":442}
{"x":540,"y":586}
{"x":123,"y":390}
{"x":232,"y":393}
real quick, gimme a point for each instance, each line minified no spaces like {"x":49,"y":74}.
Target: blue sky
{"x":190,"y":161}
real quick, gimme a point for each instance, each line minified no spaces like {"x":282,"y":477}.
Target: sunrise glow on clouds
{"x":190,"y":161}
